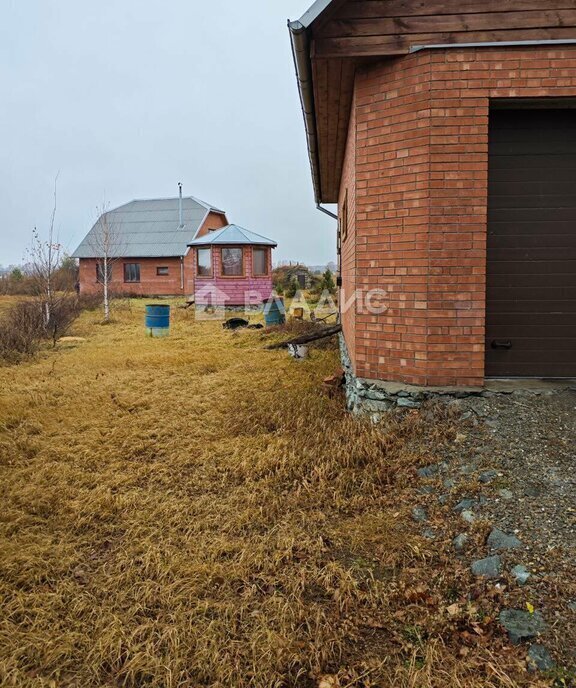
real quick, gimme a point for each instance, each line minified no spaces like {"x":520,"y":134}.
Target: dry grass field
{"x":194,"y":511}
{"x":7,"y":301}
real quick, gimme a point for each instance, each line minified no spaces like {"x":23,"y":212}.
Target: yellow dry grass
{"x":7,"y":301}
{"x":193,"y":511}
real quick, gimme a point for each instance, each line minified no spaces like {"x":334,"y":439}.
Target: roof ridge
{"x":243,"y":231}
{"x":251,"y":232}
{"x":208,"y":206}
{"x":246,"y":237}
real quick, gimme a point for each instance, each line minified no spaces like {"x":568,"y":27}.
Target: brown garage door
{"x":531,"y":281}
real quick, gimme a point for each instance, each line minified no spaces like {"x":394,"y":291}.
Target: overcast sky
{"x":125,"y":98}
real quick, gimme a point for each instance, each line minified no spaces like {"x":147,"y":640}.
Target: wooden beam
{"x":321,"y":89}
{"x":387,"y":46}
{"x":306,"y":338}
{"x":368,"y":46}
{"x":448,"y":23}
{"x":333,"y":90}
{"x":335,"y":78}
{"x":367,"y":9}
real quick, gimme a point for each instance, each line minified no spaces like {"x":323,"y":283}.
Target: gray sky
{"x":127,"y":97}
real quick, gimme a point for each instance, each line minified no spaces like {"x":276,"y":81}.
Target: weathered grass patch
{"x":194,"y":512}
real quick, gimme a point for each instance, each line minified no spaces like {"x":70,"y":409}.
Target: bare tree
{"x":45,"y":259}
{"x":58,"y":309}
{"x":105,"y":243}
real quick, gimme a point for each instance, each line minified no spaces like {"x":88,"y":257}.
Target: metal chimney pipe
{"x":180,"y":205}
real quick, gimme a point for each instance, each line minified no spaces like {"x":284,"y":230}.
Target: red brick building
{"x":146,"y":245}
{"x":446,"y":133}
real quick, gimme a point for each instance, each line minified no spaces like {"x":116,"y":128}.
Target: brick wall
{"x":234,"y":291}
{"x":212,"y":222}
{"x":150,"y":283}
{"x":348,"y":245}
{"x":421,"y":138}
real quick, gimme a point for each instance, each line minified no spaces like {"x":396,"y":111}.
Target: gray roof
{"x":232,"y":234}
{"x":148,"y":228}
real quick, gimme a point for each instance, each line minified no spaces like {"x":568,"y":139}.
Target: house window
{"x":260,"y":257}
{"x":232,"y":262}
{"x":344,"y":218}
{"x":162,"y":272}
{"x":100,"y":272}
{"x":204,"y":263}
{"x":131,"y":272}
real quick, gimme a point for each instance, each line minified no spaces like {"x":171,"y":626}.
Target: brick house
{"x":232,"y":267}
{"x":147,"y":246}
{"x":446,"y":133}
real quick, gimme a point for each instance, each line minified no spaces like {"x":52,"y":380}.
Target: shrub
{"x":89,"y":302}
{"x":292,"y":288}
{"x":328,"y":281}
{"x":26,"y":324}
{"x":59,"y":316}
{"x":325,"y":284}
{"x":21,"y":329}
{"x":17,"y":283}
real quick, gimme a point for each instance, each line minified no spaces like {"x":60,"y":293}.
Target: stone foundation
{"x":375,"y":396}
{"x":365,"y":396}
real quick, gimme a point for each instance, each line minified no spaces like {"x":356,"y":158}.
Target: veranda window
{"x":204,"y":262}
{"x":260,"y":261}
{"x":232,"y":262}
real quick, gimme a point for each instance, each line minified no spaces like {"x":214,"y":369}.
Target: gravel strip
{"x":513,"y":467}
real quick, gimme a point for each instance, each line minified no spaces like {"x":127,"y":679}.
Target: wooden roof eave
{"x":325,"y":170}
{"x":334,"y":37}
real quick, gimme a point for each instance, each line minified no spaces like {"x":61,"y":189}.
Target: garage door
{"x":531,"y":269}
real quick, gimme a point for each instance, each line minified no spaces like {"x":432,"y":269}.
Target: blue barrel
{"x":274,"y":311}
{"x":158,"y":320}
